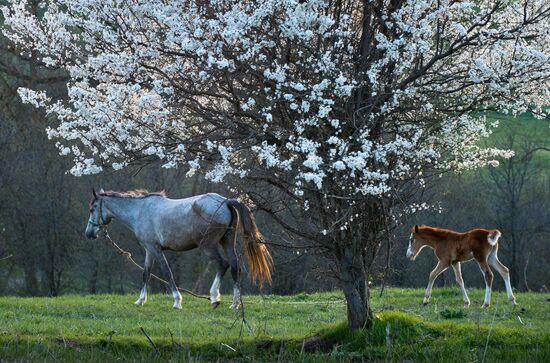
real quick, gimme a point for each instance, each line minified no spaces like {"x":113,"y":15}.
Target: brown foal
{"x":451,"y":248}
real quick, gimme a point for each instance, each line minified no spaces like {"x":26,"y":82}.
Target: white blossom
{"x":129,"y":62}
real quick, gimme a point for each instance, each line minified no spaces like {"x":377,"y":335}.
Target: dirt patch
{"x":317,"y":344}
{"x":276,"y":345}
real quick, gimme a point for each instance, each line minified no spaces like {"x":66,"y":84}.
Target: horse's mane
{"x":435,"y":232}
{"x":136,"y":193}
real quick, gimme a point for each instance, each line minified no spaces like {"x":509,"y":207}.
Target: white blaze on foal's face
{"x":415,"y":245}
{"x":410,"y":252}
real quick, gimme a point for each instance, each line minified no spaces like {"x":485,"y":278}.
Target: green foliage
{"x":107,"y":328}
{"x":452,"y":314}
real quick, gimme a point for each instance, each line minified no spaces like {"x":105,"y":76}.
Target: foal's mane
{"x":437,"y":232}
{"x":136,"y":193}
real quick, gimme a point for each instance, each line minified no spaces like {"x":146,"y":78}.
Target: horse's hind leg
{"x":146,"y":274}
{"x":229,"y":247}
{"x":488,"y":275}
{"x":221,"y":265}
{"x":504,"y":273}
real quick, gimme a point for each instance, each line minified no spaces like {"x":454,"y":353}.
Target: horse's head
{"x":415,"y":244}
{"x":97,"y":216}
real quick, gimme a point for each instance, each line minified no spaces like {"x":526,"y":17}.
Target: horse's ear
{"x":94,"y":193}
{"x":416,"y":228}
{"x":101,"y":191}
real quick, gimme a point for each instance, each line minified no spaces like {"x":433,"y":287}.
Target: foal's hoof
{"x":485,"y":306}
{"x":177,"y":305}
{"x":424,"y":303}
{"x":513,"y":301}
{"x":140,"y":302}
{"x":215,"y":304}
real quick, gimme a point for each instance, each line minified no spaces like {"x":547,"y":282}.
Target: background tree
{"x":333,"y":113}
{"x":473,"y":199}
{"x":519,"y":189}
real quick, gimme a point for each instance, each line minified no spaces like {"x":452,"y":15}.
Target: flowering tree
{"x":342,"y":108}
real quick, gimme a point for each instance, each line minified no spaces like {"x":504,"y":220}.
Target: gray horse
{"x":208,"y":221}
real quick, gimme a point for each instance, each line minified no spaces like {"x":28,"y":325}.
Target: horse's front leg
{"x":440,"y":268}
{"x":460,"y":282}
{"x":167,"y":274}
{"x":146,"y":274}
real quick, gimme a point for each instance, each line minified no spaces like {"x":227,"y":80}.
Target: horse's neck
{"x":126,"y":210}
{"x":432,"y":243}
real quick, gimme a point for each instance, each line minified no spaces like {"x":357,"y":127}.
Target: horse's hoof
{"x":485,"y":306}
{"x":467,"y":305}
{"x":177,"y":306}
{"x":424,"y":303}
{"x":139,"y":302}
{"x":215,"y":304}
{"x":235,"y":307}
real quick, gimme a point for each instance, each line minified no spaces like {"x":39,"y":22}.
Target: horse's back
{"x":210,"y":207}
{"x":214,"y":206}
{"x":185,"y":223}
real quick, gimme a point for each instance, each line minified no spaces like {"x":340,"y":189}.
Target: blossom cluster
{"x":286,"y":85}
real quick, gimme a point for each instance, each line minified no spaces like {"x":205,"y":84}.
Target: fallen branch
{"x":157,"y":352}
{"x":228,"y":347}
{"x":175,"y":345}
{"x":5,"y":258}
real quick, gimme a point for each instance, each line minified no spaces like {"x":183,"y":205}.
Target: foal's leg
{"x":229,"y":246}
{"x":146,"y":273}
{"x":488,"y":275}
{"x":222,"y":265}
{"x":460,"y":282}
{"x":441,"y":267}
{"x":504,"y":272}
{"x":167,"y":274}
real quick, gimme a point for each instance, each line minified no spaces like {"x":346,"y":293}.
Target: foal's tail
{"x":259,"y":259}
{"x":493,"y":237}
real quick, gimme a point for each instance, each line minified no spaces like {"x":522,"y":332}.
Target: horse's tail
{"x":259,"y":259}
{"x":493,"y":236}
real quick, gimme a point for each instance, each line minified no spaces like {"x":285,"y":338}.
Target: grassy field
{"x":108,"y":328}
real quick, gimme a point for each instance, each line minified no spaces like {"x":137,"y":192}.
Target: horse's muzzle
{"x":91,"y":234}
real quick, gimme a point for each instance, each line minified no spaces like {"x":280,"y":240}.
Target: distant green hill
{"x":524,"y":129}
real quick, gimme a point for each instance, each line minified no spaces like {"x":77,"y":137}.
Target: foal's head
{"x":97,"y":216}
{"x":415,"y":243}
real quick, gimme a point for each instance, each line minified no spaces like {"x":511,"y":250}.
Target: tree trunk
{"x":31,"y":281}
{"x":358,"y":304}
{"x":92,"y":284}
{"x":356,"y":290}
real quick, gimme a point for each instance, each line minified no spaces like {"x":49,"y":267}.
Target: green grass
{"x":107,"y":328}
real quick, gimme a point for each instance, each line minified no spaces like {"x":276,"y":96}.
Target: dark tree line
{"x":43,"y":211}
